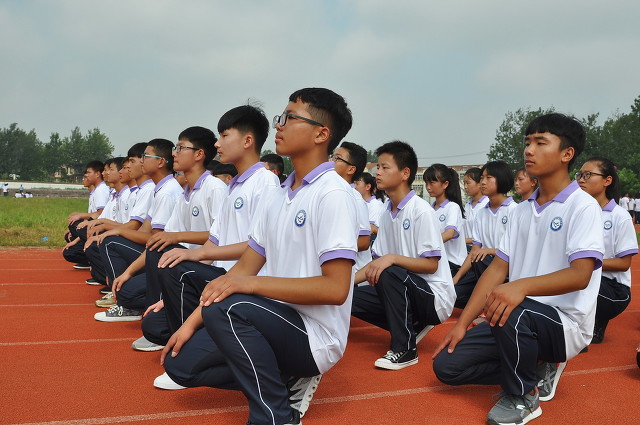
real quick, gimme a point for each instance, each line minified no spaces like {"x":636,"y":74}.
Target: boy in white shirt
{"x":544,"y":315}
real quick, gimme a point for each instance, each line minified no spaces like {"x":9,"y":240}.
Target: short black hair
{"x":163,"y":148}
{"x":95,"y":165}
{"x":501,"y":171}
{"x":357,"y":156}
{"x":328,"y":108}
{"x":442,"y":173}
{"x":246,"y":119}
{"x":404,"y":156}
{"x":474,"y":173}
{"x":221,"y":168}
{"x":570,"y":131}
{"x":367,"y":178}
{"x":608,"y":168}
{"x":119,"y":161}
{"x":201,"y":138}
{"x":275,"y":161}
{"x":136,"y":151}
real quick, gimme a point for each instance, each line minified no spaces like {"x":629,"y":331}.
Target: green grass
{"x":24,"y":222}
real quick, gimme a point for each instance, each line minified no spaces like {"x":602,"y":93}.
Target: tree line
{"x":617,"y":139}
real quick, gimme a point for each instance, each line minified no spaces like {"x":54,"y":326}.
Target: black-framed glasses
{"x":179,"y":148}
{"x":281,"y":119}
{"x":586,"y":175}
{"x":335,"y":158}
{"x":146,"y":155}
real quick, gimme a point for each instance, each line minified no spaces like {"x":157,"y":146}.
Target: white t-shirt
{"x":364,"y":257}
{"x":240,"y":206}
{"x":110,"y":209}
{"x":143,"y":200}
{"x":98,"y":197}
{"x":131,"y":201}
{"x":413,"y":232}
{"x":449,"y":216}
{"x":636,"y":204}
{"x":619,"y":239}
{"x":489,"y":225}
{"x":165,"y":195}
{"x":197,"y":209}
{"x":544,"y":239}
{"x":470,"y":212}
{"x":376,"y":207}
{"x":624,"y":203}
{"x":297,"y":231}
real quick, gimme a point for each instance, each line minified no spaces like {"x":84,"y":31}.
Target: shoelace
{"x":393,"y":356}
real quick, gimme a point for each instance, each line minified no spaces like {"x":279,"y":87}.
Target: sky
{"x":438,"y":74}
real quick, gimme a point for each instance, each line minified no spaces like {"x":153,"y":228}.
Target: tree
{"x":372,"y":157}
{"x":21,"y":153}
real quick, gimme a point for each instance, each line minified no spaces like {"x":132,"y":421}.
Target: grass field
{"x":25,"y":222}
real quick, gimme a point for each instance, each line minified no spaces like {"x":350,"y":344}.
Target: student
{"x":524,"y":184}
{"x":544,"y":316}
{"x":488,"y":227}
{"x":275,"y":164}
{"x":225,"y":172}
{"x":471,"y":182}
{"x":188,"y":225}
{"x":374,"y":198}
{"x":243,"y":131}
{"x":294,"y":319}
{"x":410,"y":282}
{"x":349,"y":162}
{"x":442,"y":184}
{"x":636,"y":209}
{"x":599,"y":178}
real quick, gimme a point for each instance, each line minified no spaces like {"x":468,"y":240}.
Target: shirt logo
{"x":195,"y":211}
{"x":239,"y":202}
{"x":556,"y":224}
{"x":608,"y":225}
{"x":301,"y":217}
{"x":442,"y":217}
{"x":504,"y":220}
{"x":406,"y":224}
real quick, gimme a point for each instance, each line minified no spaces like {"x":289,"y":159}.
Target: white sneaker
{"x":166,"y":383}
{"x":143,"y":344}
{"x":118,"y":314}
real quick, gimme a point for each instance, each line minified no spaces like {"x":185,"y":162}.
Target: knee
{"x":444,"y":368}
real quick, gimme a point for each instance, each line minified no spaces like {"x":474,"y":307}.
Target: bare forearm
{"x":621,"y":264}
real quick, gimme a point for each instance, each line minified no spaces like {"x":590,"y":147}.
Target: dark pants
{"x":401,"y":302}
{"x":117,"y":254}
{"x":613,"y":299}
{"x":98,"y":271}
{"x":465,"y":286}
{"x":75,"y":254}
{"x":155,"y":327}
{"x":506,"y":355}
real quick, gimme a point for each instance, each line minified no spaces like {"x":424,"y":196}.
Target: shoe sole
{"x":148,"y":349}
{"x":556,"y":379}
{"x":423,"y":333}
{"x":394,"y":366}
{"x":82,"y":267}
{"x":535,"y":414}
{"x":102,"y":318}
{"x":93,"y":283}
{"x":104,"y":305}
{"x":171,"y":386}
{"x":308,"y":395}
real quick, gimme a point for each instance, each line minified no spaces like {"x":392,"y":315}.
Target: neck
{"x":246,"y":161}
{"x":477,"y":197}
{"x":441,"y":198}
{"x":304,"y":163}
{"x":159,"y":175}
{"x":118,"y":186}
{"x":143,"y":178}
{"x":496,"y":200}
{"x":193,"y":174}
{"x":397,"y":194}
{"x":551,"y":185}
{"x":602,"y":199}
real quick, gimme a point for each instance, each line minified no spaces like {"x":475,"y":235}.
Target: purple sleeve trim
{"x":455,"y":229}
{"x":430,"y":254}
{"x":214,"y":240}
{"x":136,"y":218}
{"x":627,"y":252}
{"x":257,"y":248}
{"x":477,"y":243}
{"x":338,"y":253}
{"x":502,"y":255}
{"x":365,"y":232}
{"x":158,"y":226}
{"x":588,"y":254}
{"x":100,"y":208}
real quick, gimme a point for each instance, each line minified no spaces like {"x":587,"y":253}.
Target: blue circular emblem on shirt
{"x":300,"y":218}
{"x":608,"y":225}
{"x":556,"y":224}
{"x":195,"y":211}
{"x":442,"y":217}
{"x":406,"y":224}
{"x":504,"y":220}
{"x":238,"y":203}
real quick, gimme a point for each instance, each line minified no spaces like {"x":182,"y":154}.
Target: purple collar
{"x":244,"y":176}
{"x":401,"y":205}
{"x":610,"y":206}
{"x":117,"y":195}
{"x":162,"y":182}
{"x":308,"y":179}
{"x":560,"y":197}
{"x":188,"y":191}
{"x":446,"y":201}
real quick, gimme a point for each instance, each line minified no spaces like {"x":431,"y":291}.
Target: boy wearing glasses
{"x":545,"y":314}
{"x":294,"y":320}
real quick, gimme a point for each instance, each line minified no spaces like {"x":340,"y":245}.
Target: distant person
{"x":471,"y":181}
{"x":524,"y":184}
{"x":624,"y":202}
{"x":5,"y":189}
{"x":275,"y":164}
{"x":225,"y":172}
{"x":636,"y":209}
{"x":374,"y":198}
{"x":21,"y":189}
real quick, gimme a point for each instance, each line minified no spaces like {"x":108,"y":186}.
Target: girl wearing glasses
{"x":598,"y":177}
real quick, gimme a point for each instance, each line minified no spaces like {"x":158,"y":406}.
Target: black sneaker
{"x":598,"y":332}
{"x":105,"y":290}
{"x":82,"y":266}
{"x":397,"y":361}
{"x":92,"y":281}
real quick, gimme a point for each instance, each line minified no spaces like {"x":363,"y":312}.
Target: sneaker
{"x":397,"y":361}
{"x":515,"y":409}
{"x":107,"y":301}
{"x":82,"y":266}
{"x":549,"y":375}
{"x":92,"y":281}
{"x":301,"y":392}
{"x":118,"y":314}
{"x":105,"y":290}
{"x":164,"y":382}
{"x":598,"y":332}
{"x":143,"y":344}
{"x":423,"y":332}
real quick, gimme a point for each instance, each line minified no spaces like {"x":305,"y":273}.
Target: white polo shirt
{"x":624,"y":203}
{"x":98,"y":197}
{"x":143,"y":201}
{"x":165,"y":195}
{"x":128,"y":206}
{"x":240,"y":206}
{"x":110,"y":209}
{"x":489,"y":224}
{"x":197,"y":208}
{"x":297,"y":231}
{"x":470,"y":211}
{"x":376,"y":207}
{"x":544,"y":239}
{"x":362,"y":211}
{"x":619,"y":239}
{"x":412,"y":232}
{"x":449,"y":216}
